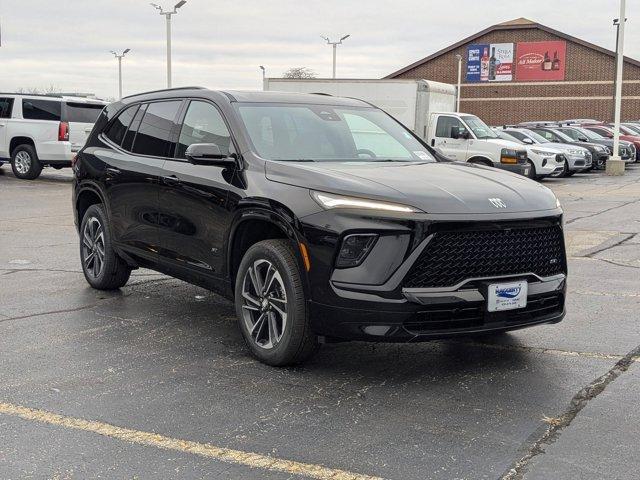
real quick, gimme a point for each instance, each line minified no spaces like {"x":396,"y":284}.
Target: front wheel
{"x":271,"y":305}
{"x":102,"y":267}
{"x":25,"y":163}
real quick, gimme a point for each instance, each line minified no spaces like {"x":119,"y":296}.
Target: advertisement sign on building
{"x":490,"y":62}
{"x":541,"y":60}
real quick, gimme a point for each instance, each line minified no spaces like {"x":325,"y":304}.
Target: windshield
{"x":300,"y":132}
{"x":634,"y":128}
{"x":537,"y":137}
{"x":505,"y":136}
{"x":589,"y":134}
{"x":480,"y":129}
{"x":563,"y":136}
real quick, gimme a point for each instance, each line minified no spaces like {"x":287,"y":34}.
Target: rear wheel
{"x":271,"y":305}
{"x":25,"y":163}
{"x":102,"y":267}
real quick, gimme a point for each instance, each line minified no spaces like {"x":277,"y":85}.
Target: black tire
{"x":566,"y":172}
{"x":25,"y":163}
{"x":532,"y":170}
{"x":272,"y":340}
{"x":113,"y":272}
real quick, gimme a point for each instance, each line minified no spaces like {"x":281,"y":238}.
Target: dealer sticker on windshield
{"x":507,"y":296}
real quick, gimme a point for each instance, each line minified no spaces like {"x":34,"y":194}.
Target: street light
{"x":264,"y":75}
{"x":459,"y":57}
{"x":119,"y":57}
{"x":168,"y":17}
{"x":615,"y":165}
{"x":334,"y":44}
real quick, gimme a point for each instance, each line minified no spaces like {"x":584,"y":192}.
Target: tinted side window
{"x":203,"y":124}
{"x":115,"y":132}
{"x":6,"y":105}
{"x":443,"y":127}
{"x":548,"y":135}
{"x":130,"y":136}
{"x":155,"y":129}
{"x":41,"y":110}
{"x":81,"y":112}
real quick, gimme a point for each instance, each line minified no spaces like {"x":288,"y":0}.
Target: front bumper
{"x":518,"y":168}
{"x":429,"y":314}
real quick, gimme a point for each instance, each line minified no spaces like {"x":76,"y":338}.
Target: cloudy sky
{"x":220,"y":43}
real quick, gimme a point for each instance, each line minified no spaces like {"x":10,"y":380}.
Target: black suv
{"x":323,"y":218}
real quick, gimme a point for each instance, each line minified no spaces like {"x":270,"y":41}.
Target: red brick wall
{"x":583,"y":64}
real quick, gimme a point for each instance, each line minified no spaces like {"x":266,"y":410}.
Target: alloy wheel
{"x":264,"y":304}
{"x":22,"y":162}
{"x":93,"y":249}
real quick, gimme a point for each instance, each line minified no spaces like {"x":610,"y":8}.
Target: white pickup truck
{"x":466,"y":138}
{"x":43,"y":130}
{"x":427,"y":108}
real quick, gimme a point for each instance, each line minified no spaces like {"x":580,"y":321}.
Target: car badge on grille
{"x":497,"y":202}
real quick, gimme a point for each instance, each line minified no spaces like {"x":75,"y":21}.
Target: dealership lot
{"x":88,"y":377}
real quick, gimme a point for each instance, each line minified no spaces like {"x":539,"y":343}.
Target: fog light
{"x":354,"y":249}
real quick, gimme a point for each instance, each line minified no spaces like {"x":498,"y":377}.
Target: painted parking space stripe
{"x":227,"y":455}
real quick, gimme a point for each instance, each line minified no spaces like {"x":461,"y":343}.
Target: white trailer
{"x":409,"y":101}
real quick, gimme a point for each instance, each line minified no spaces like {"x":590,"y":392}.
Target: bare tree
{"x":299,"y":72}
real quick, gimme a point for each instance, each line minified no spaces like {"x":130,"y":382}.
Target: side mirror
{"x":208,"y":154}
{"x":527,"y":141}
{"x":583,"y":139}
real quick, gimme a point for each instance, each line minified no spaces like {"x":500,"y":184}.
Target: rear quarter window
{"x":116,"y":130}
{"x":41,"y":110}
{"x":81,"y":112}
{"x":6,"y":105}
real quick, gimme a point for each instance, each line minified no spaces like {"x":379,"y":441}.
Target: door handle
{"x":433,"y":142}
{"x":171,"y":180}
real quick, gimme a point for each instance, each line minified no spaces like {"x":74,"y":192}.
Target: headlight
{"x":543,"y":153}
{"x":330,"y":200}
{"x":609,"y":150}
{"x":599,"y":148}
{"x":508,"y":155}
{"x":558,"y":203}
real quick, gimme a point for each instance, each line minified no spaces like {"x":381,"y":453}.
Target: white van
{"x":43,"y":130}
{"x":466,"y":138}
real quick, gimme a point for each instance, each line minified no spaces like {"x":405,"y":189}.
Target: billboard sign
{"x":541,"y":60}
{"x":490,"y":62}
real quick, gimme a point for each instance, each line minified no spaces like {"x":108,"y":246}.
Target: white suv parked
{"x":43,"y":130}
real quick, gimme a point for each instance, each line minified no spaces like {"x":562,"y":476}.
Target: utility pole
{"x":335,"y":47}
{"x":167,"y":15}
{"x":119,"y":57}
{"x":459,"y":57}
{"x":615,"y":165}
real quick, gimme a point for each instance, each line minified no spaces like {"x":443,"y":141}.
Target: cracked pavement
{"x":163,"y":356}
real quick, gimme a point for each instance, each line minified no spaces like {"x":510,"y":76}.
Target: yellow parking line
{"x":252,"y":460}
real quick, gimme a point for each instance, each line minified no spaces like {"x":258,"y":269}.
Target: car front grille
{"x":489,"y":250}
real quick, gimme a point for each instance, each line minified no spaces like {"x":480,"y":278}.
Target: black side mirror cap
{"x":209,"y":154}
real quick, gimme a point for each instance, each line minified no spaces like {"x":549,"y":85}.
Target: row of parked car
{"x":561,"y":149}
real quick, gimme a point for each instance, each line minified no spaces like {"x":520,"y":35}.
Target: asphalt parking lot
{"x":153,"y":381}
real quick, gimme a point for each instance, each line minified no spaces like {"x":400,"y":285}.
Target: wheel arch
{"x":253,"y":225}
{"x":481,"y":159}
{"x":86,"y":196}
{"x":21,"y":140}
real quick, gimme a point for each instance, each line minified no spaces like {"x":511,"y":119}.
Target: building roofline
{"x":516,"y":25}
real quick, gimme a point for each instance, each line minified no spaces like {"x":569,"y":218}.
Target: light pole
{"x":119,"y":57}
{"x":167,"y":15}
{"x":335,"y":45}
{"x":459,"y":57}
{"x":264,"y":75}
{"x":615,"y":165}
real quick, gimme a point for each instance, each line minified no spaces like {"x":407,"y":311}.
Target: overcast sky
{"x":220,"y":43}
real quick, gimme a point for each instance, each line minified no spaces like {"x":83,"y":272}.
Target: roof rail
{"x":166,"y":90}
{"x":52,"y":95}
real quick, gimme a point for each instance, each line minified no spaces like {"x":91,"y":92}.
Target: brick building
{"x":534,"y":73}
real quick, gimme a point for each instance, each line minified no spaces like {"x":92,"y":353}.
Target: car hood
{"x":565,"y":147}
{"x":441,"y":188}
{"x":503,"y":143}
